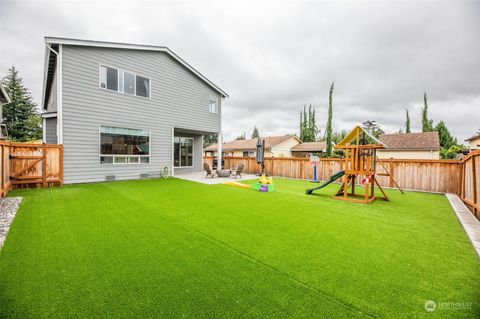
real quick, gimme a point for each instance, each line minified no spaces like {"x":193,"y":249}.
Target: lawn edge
{"x":469,"y":223}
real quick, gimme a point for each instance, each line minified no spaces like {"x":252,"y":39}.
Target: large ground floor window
{"x":183,"y":151}
{"x":120,"y":145}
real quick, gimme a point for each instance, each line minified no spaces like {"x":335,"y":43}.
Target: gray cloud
{"x":272,"y":58}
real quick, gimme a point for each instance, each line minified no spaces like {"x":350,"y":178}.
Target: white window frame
{"x":210,"y":99}
{"x":193,"y":151}
{"x":113,"y":156}
{"x":121,"y":71}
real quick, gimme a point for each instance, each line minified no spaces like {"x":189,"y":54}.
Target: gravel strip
{"x":8,"y":209}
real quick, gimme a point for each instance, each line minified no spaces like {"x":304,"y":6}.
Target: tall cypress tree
{"x":255,"y":133}
{"x":328,"y":129}
{"x":427,"y":124}
{"x":20,"y":115}
{"x":407,"y":123}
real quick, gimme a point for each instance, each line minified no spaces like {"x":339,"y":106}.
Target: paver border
{"x":470,"y":224}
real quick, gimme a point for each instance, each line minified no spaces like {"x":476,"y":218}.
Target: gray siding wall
{"x":51,"y":130}
{"x":178,"y":99}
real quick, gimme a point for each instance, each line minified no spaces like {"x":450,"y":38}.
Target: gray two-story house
{"x":125,"y":111}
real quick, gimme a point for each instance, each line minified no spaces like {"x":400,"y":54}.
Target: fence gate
{"x":35,"y":165}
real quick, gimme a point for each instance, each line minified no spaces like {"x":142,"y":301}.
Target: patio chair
{"x":207,"y":169}
{"x":238,"y":171}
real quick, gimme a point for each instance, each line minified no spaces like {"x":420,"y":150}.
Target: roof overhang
{"x":4,"y":98}
{"x":119,"y":45}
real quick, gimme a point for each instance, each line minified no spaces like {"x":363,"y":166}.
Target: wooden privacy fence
{"x":442,"y":176}
{"x":30,"y":165}
{"x":470,"y":182}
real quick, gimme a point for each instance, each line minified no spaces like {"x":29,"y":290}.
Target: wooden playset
{"x":360,"y":161}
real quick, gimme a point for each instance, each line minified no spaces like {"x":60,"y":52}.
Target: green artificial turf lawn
{"x":172,"y":248}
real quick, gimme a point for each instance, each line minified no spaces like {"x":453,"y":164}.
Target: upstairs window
{"x":213,"y":105}
{"x":124,"y":82}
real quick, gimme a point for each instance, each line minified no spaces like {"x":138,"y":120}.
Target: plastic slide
{"x":332,"y":178}
{"x":237,"y":184}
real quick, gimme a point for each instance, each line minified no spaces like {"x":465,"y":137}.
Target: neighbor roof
{"x":474,"y":137}
{"x":412,"y":141}
{"x":4,"y":98}
{"x":310,"y":147}
{"x":251,"y":144}
{"x":119,"y":45}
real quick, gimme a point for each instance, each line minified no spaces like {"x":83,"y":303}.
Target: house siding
{"x":51,"y":130}
{"x":178,"y":99}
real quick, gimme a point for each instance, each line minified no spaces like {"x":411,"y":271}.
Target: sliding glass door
{"x":183,"y":151}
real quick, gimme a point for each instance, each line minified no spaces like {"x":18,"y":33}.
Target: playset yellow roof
{"x":357,"y":130}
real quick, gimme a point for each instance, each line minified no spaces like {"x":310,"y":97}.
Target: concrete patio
{"x":199,"y":177}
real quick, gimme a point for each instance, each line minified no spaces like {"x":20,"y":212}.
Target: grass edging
{"x":469,"y":223}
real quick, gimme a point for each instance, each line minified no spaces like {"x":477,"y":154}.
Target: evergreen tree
{"x":308,"y":125}
{"x":407,"y":123}
{"x":255,"y":133}
{"x":373,"y":128}
{"x":427,"y":124}
{"x":20,"y":115}
{"x":241,"y":137}
{"x":301,"y":126}
{"x":446,"y":139}
{"x":337,"y":137}
{"x":209,"y":139}
{"x":328,"y":129}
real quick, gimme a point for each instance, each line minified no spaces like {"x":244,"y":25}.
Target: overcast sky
{"x":272,"y":58}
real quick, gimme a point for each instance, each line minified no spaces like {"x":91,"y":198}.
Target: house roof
{"x":251,"y":144}
{"x":4,"y":98}
{"x":310,"y":147}
{"x":412,"y":141}
{"x":474,"y":137}
{"x":119,"y":45}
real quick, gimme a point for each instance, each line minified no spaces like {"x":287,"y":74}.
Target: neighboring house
{"x":410,"y":146}
{"x":275,"y":146}
{"x":474,"y":142}
{"x":308,"y":148}
{"x":4,"y":99}
{"x":125,"y":111}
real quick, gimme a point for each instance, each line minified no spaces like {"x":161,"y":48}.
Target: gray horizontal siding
{"x":51,"y":130}
{"x":178,"y":99}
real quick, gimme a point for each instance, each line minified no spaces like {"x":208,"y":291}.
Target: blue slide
{"x":332,"y":179}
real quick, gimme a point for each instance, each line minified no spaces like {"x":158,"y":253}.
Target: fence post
{"x":3,"y":170}
{"x":390,"y":168}
{"x":44,"y":165}
{"x":474,"y":180}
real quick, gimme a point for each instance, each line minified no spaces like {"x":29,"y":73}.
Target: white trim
{"x":5,"y":94}
{"x":45,"y":70}
{"x":193,"y":152}
{"x":44,"y":130}
{"x":49,"y":114}
{"x":59,"y":94}
{"x":124,"y":155}
{"x":118,"y":45}
{"x":123,"y":81}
